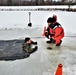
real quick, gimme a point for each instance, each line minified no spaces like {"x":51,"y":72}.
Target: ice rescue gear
{"x":59,"y":69}
{"x":51,"y":20}
{"x":43,"y":34}
{"x":56,"y":32}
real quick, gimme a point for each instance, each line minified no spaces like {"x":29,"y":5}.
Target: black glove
{"x":46,"y":34}
{"x":35,"y":43}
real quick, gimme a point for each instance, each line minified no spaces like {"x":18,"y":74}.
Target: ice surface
{"x":43,"y":61}
{"x":13,"y":25}
{"x":17,"y":21}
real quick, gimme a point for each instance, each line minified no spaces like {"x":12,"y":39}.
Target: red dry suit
{"x":56,"y":32}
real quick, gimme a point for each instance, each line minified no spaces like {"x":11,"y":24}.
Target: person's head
{"x":51,"y":20}
{"x":27,"y":40}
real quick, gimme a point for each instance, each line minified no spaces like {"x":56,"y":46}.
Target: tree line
{"x":35,"y":2}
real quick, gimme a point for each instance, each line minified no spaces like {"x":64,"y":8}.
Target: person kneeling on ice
{"x":27,"y":46}
{"x":55,"y":31}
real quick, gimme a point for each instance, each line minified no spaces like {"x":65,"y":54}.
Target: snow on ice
{"x":13,"y":25}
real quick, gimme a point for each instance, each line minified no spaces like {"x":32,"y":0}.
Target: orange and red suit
{"x":56,"y":32}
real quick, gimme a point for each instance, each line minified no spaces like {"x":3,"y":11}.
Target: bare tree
{"x":41,"y":2}
{"x":48,"y":2}
{"x":63,"y":1}
{"x":9,"y":2}
{"x":1,"y":2}
{"x":36,"y":2}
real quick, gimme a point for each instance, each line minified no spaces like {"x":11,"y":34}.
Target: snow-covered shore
{"x":14,"y":24}
{"x":36,"y":7}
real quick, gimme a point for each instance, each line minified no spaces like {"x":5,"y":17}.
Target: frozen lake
{"x":13,"y":25}
{"x":43,"y":61}
{"x":17,"y":20}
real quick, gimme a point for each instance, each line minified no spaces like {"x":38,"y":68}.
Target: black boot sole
{"x":59,"y":43}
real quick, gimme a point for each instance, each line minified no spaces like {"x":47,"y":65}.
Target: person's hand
{"x":32,"y":42}
{"x":46,"y":34}
{"x":35,"y":43}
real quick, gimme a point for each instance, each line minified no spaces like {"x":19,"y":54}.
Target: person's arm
{"x":33,"y":49}
{"x":26,"y":47}
{"x":32,"y":42}
{"x":47,"y":33}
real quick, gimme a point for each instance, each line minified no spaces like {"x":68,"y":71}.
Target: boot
{"x":50,"y":41}
{"x":59,"y":43}
{"x":53,"y":41}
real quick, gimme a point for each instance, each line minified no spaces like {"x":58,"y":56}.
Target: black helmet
{"x":51,"y":20}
